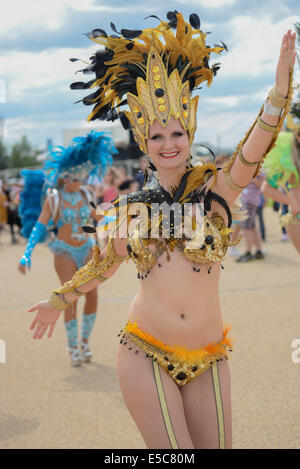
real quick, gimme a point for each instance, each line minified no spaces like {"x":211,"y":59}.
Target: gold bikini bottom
{"x":181,"y":364}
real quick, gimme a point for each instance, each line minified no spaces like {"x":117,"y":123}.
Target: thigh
{"x":64,"y":267}
{"x":139,"y":389}
{"x":293,"y":230}
{"x":206,"y":408}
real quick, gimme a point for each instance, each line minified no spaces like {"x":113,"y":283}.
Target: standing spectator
{"x":139,"y":177}
{"x":284,"y":211}
{"x":12,"y":211}
{"x":3,"y":209}
{"x":251,"y":197}
{"x":260,"y":215}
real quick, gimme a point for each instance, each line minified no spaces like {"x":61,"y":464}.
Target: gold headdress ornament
{"x":157,"y":68}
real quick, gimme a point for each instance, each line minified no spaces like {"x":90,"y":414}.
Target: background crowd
{"x":118,"y":181}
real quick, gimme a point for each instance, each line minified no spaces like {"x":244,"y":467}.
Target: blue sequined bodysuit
{"x":76,"y":217}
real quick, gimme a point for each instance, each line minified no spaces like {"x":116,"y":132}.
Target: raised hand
{"x":285,"y":63}
{"x":46,"y":317}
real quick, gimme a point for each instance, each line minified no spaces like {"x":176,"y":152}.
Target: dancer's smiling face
{"x":72,"y":184}
{"x":169,"y":146}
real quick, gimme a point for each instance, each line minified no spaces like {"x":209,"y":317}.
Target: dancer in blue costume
{"x":65,"y":210}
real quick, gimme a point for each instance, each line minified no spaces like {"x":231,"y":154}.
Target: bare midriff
{"x":179,"y":306}
{"x":64,"y":233}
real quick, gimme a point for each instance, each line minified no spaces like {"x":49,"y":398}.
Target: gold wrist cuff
{"x":56,"y":302}
{"x":276,"y":99}
{"x":267,"y":127}
{"x":245,"y":162}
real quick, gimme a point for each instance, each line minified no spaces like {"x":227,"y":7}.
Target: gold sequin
{"x":141,"y":120}
{"x":157,"y":77}
{"x":185,"y":114}
{"x":162,"y":108}
{"x":136,"y":109}
{"x":185,"y":100}
{"x":155,"y":69}
{"x":161,"y":100}
{"x":157,"y":84}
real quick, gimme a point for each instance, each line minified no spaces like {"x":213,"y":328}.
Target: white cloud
{"x":254,"y":45}
{"x":28,"y":13}
{"x":48,"y":71}
{"x":209,"y":3}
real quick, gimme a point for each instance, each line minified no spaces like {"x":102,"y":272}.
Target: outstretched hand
{"x":46,"y":317}
{"x":285,"y":63}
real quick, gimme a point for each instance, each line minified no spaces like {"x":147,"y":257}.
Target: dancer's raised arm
{"x":245,"y":163}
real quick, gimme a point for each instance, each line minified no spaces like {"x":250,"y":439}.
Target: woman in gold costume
{"x":172,"y":360}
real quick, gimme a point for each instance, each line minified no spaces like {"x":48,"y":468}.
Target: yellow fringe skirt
{"x":181,"y":364}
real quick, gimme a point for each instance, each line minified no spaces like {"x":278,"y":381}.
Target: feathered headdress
{"x":89,"y":155}
{"x":157,"y":68}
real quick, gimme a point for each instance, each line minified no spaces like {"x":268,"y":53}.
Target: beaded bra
{"x":206,"y":243}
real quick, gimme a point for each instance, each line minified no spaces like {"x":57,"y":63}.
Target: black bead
{"x":181,"y":376}
{"x":170,"y":367}
{"x":164,"y":121}
{"x":139,"y":114}
{"x":136,"y":351}
{"x":138,"y":275}
{"x":166,"y":358}
{"x":203,"y":247}
{"x":159,"y":92}
{"x":184,"y":106}
{"x":209,"y":239}
{"x":195,"y":368}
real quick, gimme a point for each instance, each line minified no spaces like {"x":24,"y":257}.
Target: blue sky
{"x":37,"y":37}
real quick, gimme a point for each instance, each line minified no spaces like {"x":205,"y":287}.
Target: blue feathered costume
{"x":86,"y":156}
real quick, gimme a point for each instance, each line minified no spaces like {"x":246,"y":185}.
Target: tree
{"x":3,"y":156}
{"x":23,"y":155}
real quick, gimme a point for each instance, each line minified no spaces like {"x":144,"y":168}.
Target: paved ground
{"x":47,"y":404}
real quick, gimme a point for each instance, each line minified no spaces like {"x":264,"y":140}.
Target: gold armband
{"x":264,"y":126}
{"x":278,"y":101}
{"x":245,"y":162}
{"x":57,"y":302}
{"x":93,"y":269}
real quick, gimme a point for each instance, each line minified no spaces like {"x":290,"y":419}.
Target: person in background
{"x":3,"y":209}
{"x":260,"y":215}
{"x":139,"y":177}
{"x":12,"y":211}
{"x":251,"y":197}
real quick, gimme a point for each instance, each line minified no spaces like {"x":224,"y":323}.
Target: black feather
{"x":73,"y":60}
{"x":79,"y":85}
{"x":124,"y":120}
{"x":152,"y":16}
{"x":98,"y":32}
{"x":114,"y":28}
{"x":89,"y":229}
{"x":195,"y":21}
{"x":131,"y":33}
{"x":224,"y":45}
